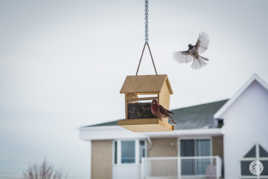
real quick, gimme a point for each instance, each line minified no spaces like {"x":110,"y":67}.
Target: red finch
{"x":160,"y":112}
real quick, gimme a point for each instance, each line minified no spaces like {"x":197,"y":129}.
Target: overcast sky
{"x":62,"y":64}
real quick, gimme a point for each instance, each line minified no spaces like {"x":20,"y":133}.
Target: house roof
{"x":192,"y":117}
{"x":252,"y":79}
{"x":145,"y":84}
{"x":198,"y":116}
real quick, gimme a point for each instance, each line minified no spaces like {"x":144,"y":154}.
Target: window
{"x":197,"y":147}
{"x":128,"y":152}
{"x":263,"y":152}
{"x":140,"y":106}
{"x":115,"y":152}
{"x":249,"y":169}
{"x":191,"y":148}
{"x":143,"y":152}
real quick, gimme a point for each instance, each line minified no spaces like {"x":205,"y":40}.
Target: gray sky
{"x":62,"y":64}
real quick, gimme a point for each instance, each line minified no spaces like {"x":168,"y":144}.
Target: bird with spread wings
{"x":192,"y":54}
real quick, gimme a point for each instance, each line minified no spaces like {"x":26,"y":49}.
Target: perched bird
{"x":193,"y":52}
{"x":160,"y":112}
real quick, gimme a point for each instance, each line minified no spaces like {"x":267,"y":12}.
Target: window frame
{"x":127,"y":157}
{"x":257,"y":157}
{"x":195,"y":138}
{"x":137,"y":151}
{"x":145,"y":148}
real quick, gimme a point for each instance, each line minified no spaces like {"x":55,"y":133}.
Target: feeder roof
{"x":145,"y":84}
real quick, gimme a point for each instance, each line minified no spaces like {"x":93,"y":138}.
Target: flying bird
{"x":193,"y":52}
{"x":160,"y":112}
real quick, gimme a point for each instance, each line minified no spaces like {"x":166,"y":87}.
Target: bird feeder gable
{"x":145,"y":84}
{"x":166,"y":86}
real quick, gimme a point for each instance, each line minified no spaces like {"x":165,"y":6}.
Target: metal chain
{"x":146,"y":38}
{"x":146,"y":14}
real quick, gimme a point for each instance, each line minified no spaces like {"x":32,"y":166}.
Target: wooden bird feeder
{"x":139,"y":92}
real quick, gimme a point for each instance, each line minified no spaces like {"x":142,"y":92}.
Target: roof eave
{"x":116,"y":132}
{"x":238,"y":93}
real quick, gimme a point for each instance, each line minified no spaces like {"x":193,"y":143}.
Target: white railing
{"x":199,"y":167}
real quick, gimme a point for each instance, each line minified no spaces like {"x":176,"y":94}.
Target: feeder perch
{"x":139,"y":92}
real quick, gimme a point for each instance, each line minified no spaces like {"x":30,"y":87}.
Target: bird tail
{"x":170,"y":112}
{"x":203,"y":58}
{"x":198,"y":63}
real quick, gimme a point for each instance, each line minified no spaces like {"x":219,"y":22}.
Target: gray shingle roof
{"x":197,"y":117}
{"x":192,"y":117}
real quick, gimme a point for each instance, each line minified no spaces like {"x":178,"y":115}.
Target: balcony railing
{"x":199,"y":167}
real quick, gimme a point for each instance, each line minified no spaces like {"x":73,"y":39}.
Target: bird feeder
{"x":139,"y":92}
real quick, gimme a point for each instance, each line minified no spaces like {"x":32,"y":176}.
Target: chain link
{"x":146,"y":14}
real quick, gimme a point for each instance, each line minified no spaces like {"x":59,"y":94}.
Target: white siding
{"x":245,"y":124}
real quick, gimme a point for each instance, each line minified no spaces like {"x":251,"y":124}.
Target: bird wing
{"x":163,"y":110}
{"x":198,"y":63}
{"x":183,"y":56}
{"x":202,"y":42}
